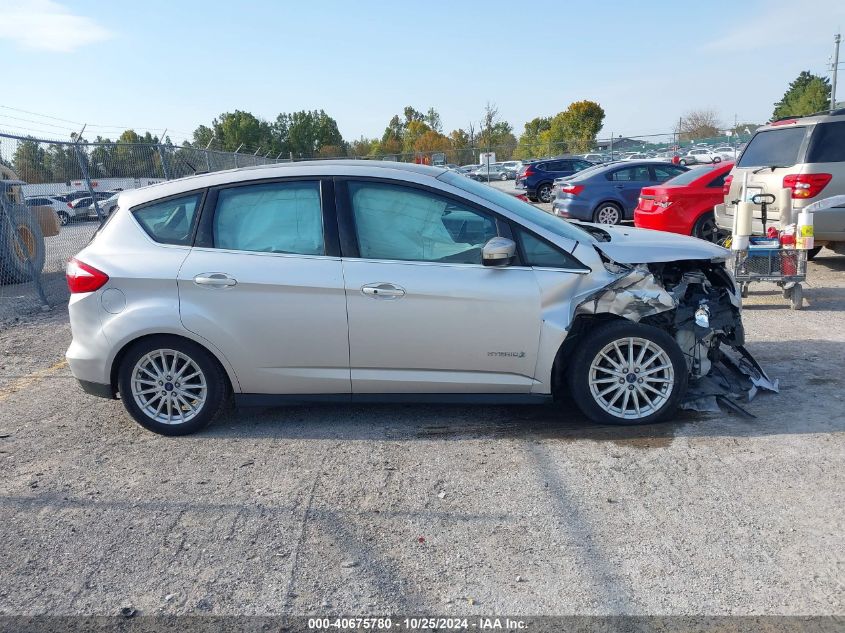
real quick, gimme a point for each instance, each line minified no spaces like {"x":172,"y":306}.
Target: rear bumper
{"x":572,"y":208}
{"x":97,"y":389}
{"x":661,"y":221}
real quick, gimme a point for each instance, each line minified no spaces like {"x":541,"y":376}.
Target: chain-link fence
{"x":54,"y":194}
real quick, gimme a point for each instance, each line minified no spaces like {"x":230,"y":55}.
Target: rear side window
{"x":283,"y":217}
{"x":631,"y":174}
{"x":718,"y":181}
{"x":827,"y":143}
{"x":773,"y":148}
{"x":170,"y":221}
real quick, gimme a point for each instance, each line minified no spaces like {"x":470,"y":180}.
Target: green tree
{"x":807,"y":94}
{"x":231,"y":130}
{"x":30,"y":162}
{"x":532,"y":141}
{"x":577,"y":126}
{"x":432,"y":120}
{"x":413,"y":131}
{"x":309,"y":133}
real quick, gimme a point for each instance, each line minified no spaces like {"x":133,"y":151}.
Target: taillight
{"x":69,"y":205}
{"x":573,"y":189}
{"x":84,"y":278}
{"x":528,"y":172}
{"x":806,"y":185}
{"x":726,"y":188}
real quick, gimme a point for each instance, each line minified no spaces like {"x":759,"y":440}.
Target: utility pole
{"x":835,"y":69}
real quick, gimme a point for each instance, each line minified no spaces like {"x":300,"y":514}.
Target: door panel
{"x":282,"y":325}
{"x":456,"y":328}
{"x":261,"y":288}
{"x":424,"y":314}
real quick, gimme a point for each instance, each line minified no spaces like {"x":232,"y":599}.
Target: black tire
{"x":621,"y":331}
{"x":216,"y":384}
{"x":504,"y":176}
{"x":811,"y":254}
{"x":544,"y":192}
{"x":717,"y":159}
{"x":683,"y":162}
{"x":24,"y":230}
{"x":705,"y":228}
{"x":64,"y":218}
{"x":532,"y":198}
{"x":604,"y":213}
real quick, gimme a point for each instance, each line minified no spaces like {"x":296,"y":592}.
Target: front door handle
{"x":215,"y":280}
{"x":383,"y":291}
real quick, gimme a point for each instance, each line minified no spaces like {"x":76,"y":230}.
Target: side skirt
{"x":274,"y":400}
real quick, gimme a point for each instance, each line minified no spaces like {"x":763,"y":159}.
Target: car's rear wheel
{"x":683,"y":161}
{"x":544,"y":192}
{"x":608,"y":213}
{"x":64,"y":218}
{"x":503,"y":176}
{"x":628,"y":373}
{"x":717,"y":159}
{"x":706,"y":229}
{"x":171,"y":386}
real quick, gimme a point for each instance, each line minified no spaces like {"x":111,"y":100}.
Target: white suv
{"x":695,"y":156}
{"x":362,"y":281}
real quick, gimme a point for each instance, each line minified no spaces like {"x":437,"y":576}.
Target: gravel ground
{"x":431,"y":509}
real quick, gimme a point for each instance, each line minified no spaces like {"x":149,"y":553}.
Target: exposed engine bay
{"x":698,"y":303}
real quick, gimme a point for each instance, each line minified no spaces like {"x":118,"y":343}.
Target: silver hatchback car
{"x":370,"y":281}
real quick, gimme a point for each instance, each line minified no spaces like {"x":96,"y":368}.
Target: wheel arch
{"x":582,"y":325}
{"x":228,"y":371}
{"x":613,"y":201}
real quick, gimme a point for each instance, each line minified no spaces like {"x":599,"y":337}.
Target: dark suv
{"x":538,"y":178}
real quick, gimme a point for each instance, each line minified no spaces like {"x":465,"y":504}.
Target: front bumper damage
{"x":698,"y":303}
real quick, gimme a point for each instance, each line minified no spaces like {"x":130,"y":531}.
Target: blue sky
{"x":176,"y":64}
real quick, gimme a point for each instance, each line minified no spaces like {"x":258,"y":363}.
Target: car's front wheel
{"x":628,"y":373}
{"x":171,"y":386}
{"x":64,"y":218}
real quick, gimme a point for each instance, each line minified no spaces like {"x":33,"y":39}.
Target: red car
{"x":685,"y":203}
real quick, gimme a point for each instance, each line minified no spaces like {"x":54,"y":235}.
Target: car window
{"x":686,"y":177}
{"x":540,"y":253}
{"x":718,"y":181}
{"x":776,"y":147}
{"x":524,"y":210}
{"x":282,"y":217}
{"x":170,"y":221}
{"x":631,"y":174}
{"x":581,"y":164}
{"x":402,"y":223}
{"x":827,"y":143}
{"x":662,"y":173}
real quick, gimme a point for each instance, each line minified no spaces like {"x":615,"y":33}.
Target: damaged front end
{"x":697,"y":302}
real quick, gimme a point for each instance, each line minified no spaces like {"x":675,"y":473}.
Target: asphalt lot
{"x":432,"y":509}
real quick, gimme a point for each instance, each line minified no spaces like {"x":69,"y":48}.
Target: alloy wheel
{"x":169,"y":386}
{"x":608,"y":215}
{"x":631,"y":378}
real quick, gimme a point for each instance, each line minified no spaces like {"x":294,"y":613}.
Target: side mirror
{"x":498,"y":251}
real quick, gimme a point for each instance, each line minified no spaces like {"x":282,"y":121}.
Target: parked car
{"x":636,"y":156}
{"x":608,"y":194}
{"x":595,"y":158}
{"x":466,"y":169}
{"x":538,"y":178}
{"x":255,"y":282}
{"x":684,"y":204}
{"x":486,"y":173}
{"x":512,"y":166}
{"x":696,"y":156}
{"x":726,"y":152}
{"x":65,"y":212}
{"x":806,"y":155}
{"x":70,"y":196}
{"x":82,"y":204}
{"x":107,"y":205}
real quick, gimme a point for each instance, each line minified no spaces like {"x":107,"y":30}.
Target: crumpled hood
{"x":628,"y":245}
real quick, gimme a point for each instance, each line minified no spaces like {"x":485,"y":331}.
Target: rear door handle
{"x":215,"y":280}
{"x":383,"y":291}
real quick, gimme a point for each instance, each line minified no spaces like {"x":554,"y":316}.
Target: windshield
{"x":516,"y":206}
{"x":773,"y":148}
